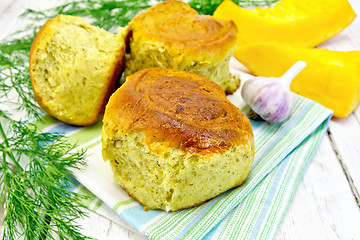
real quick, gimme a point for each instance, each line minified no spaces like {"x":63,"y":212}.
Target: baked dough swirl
{"x":173,"y":35}
{"x":183,"y":29}
{"x":179,"y":109}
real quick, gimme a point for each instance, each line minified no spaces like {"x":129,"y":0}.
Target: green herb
{"x":36,"y":180}
{"x":106,"y":14}
{"x":208,"y":7}
{"x":14,"y":77}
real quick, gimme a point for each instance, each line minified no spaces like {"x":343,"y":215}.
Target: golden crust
{"x":177,"y":109}
{"x":176,"y":25}
{"x":41,"y":39}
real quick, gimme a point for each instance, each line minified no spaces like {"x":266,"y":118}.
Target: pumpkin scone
{"x":173,"y":35}
{"x":174,"y":140}
{"x":74,"y":67}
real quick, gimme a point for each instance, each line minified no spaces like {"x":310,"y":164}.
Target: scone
{"x":173,"y":139}
{"x":173,"y":35}
{"x":74,"y":67}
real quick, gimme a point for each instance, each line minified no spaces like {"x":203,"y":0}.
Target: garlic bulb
{"x":270,"y":97}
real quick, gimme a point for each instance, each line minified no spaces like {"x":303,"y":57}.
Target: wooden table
{"x":327,"y":203}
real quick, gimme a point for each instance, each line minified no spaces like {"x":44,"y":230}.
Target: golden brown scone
{"x":74,"y":67}
{"x":173,"y":139}
{"x":173,"y":35}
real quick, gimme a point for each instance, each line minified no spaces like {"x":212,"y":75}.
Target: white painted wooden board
{"x":325,"y":205}
{"x":100,"y":227}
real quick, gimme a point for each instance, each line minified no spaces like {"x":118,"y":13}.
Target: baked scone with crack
{"x":173,"y":139}
{"x":173,"y":35}
{"x":74,"y":67}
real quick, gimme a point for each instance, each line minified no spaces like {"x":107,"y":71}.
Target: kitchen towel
{"x":252,"y":211}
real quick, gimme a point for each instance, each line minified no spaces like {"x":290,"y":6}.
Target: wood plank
{"x":99,"y":227}
{"x":4,"y":4}
{"x":323,"y":207}
{"x":345,"y":137}
{"x":357,"y":115}
{"x":10,"y":21}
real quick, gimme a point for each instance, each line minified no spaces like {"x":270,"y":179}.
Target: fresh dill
{"x":14,"y":77}
{"x":36,"y":182}
{"x":208,"y":7}
{"x":35,"y":167}
{"x":107,"y":14}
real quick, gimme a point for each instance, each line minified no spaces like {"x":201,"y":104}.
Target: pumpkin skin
{"x":301,"y":23}
{"x":331,"y":78}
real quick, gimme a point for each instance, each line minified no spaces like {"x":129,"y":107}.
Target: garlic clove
{"x":270,"y":97}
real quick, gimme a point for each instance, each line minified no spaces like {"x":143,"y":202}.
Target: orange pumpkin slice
{"x":331,"y":78}
{"x":302,"y":23}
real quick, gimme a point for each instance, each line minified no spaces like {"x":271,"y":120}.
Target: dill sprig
{"x":36,"y":179}
{"x":15,"y":78}
{"x":208,"y":7}
{"x":107,"y":14}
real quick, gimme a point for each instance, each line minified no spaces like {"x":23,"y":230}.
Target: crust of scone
{"x":115,"y":70}
{"x":184,"y":120}
{"x":173,"y":35}
{"x":176,"y":25}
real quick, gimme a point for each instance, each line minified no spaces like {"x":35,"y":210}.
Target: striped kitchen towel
{"x":252,"y":211}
